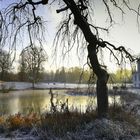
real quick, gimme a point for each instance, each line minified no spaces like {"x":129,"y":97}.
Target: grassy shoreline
{"x":60,"y":123}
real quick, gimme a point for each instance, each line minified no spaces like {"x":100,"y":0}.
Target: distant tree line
{"x":78,"y":75}
{"x":71,"y":75}
{"x":68,"y":75}
{"x":31,"y":70}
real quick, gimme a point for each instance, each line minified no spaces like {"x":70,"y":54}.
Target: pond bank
{"x":26,"y":85}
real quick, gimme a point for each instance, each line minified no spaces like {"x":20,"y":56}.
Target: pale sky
{"x":124,"y":32}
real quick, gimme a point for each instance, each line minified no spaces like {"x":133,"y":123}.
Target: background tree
{"x":78,"y":75}
{"x":31,"y":65}
{"x":5,"y":64}
{"x":77,"y":28}
{"x":60,"y":75}
{"x":22,"y":74}
{"x":57,"y":76}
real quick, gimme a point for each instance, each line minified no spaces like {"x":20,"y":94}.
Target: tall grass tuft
{"x":60,"y":123}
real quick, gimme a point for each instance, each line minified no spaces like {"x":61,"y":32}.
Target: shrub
{"x":18,"y":121}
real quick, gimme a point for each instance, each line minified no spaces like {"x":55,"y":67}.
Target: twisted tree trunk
{"x":102,"y":75}
{"x":102,"y":78}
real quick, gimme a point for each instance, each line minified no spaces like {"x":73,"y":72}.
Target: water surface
{"x":26,"y":101}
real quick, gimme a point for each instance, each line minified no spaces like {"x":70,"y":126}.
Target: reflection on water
{"x":39,"y":101}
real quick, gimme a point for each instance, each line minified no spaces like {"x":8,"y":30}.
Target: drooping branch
{"x":122,"y":50}
{"x":108,"y":10}
{"x":76,"y":6}
{"x":117,"y":6}
{"x":17,"y":19}
{"x":80,"y":21}
{"x":85,"y":27}
{"x":131,"y":9}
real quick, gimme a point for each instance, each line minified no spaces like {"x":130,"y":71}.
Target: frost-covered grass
{"x":73,"y":125}
{"x":118,"y":113}
{"x":61,"y":123}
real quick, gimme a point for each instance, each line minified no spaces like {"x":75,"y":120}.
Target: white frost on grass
{"x":100,"y":129}
{"x":133,"y":107}
{"x":104,"y":129}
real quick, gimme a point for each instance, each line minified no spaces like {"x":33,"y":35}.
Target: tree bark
{"x":102,"y":78}
{"x":102,"y":96}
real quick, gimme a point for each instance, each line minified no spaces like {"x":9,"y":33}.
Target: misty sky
{"x":124,"y":32}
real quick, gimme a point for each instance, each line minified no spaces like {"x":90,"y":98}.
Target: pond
{"x":25,"y":101}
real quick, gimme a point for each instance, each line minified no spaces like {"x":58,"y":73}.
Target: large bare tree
{"x":32,"y":59}
{"x":77,"y":28}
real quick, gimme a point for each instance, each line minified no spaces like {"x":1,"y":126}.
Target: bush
{"x":18,"y":121}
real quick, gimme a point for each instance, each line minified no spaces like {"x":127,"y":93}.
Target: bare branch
{"x":62,"y":9}
{"x":131,"y":9}
{"x":117,"y":6}
{"x":108,"y":10}
{"x":122,"y":50}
